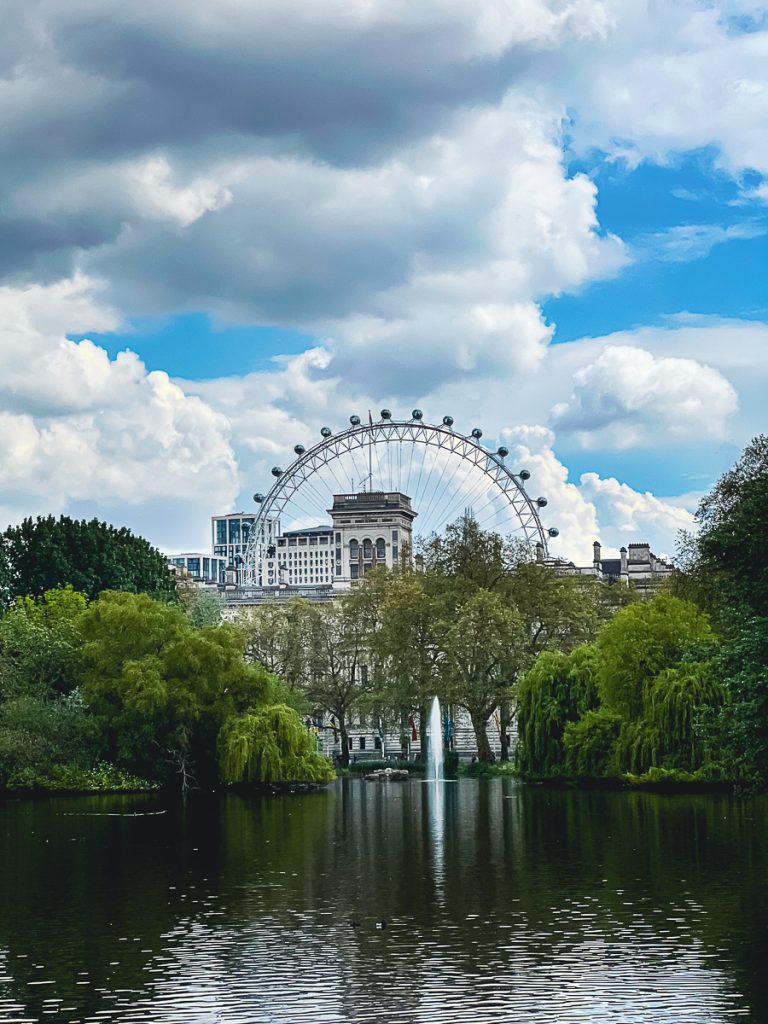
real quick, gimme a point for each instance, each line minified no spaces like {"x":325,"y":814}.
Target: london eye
{"x":445,"y":474}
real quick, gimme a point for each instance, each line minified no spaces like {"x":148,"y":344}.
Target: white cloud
{"x":628,"y":397}
{"x":77,"y":426}
{"x":670,"y":78}
{"x":635,"y":516}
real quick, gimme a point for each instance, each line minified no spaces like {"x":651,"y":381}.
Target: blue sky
{"x":219,"y":236}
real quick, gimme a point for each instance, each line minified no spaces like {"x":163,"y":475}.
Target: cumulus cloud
{"x":77,"y":426}
{"x":633,"y":515}
{"x":630,"y":397}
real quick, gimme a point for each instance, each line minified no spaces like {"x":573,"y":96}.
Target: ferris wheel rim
{"x":442,"y":436}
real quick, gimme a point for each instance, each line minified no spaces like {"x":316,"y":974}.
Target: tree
{"x":483,"y":651}
{"x":639,"y":643}
{"x":335,"y":645}
{"x":270,"y":745}
{"x":40,"y":643}
{"x":46,"y":553}
{"x":727,"y":561}
{"x":44,"y":725}
{"x":553,"y":694}
{"x":162,"y":688}
{"x":203,"y":607}
{"x":409,"y":645}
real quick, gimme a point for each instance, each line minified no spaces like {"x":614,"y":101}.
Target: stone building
{"x":371,"y":528}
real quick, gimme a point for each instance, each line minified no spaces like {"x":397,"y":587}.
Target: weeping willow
{"x":668,"y":735}
{"x":270,"y":745}
{"x":557,"y":690}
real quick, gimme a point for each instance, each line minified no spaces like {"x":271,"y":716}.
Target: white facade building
{"x":300,"y":558}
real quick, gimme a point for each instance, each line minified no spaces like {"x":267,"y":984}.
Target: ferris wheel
{"x":446,"y":474}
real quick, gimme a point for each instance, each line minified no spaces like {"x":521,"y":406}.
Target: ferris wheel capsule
{"x":386,"y":414}
{"x":258,"y":498}
{"x":355,"y":421}
{"x":542,"y":502}
{"x":299,"y":449}
{"x":417,"y":414}
{"x":502,"y":451}
{"x":524,"y":474}
{"x":326,"y":431}
{"x":477,"y":433}
{"x":447,"y":421}
{"x":553,"y":531}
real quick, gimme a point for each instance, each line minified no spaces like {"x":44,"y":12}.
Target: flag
{"x":414,"y":734}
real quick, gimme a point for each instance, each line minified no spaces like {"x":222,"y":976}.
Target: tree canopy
{"x":90,"y":556}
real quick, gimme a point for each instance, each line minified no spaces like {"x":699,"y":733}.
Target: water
{"x":435,"y":755}
{"x":502,"y":903}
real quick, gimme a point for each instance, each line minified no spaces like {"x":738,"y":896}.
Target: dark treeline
{"x":127,"y":682}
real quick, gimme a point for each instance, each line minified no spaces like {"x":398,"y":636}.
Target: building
{"x":371,"y":528}
{"x":230,"y":536}
{"x":636,"y":566}
{"x":300,"y":558}
{"x":198,"y":566}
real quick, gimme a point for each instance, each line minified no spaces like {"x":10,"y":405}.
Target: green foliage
{"x":728,"y":559}
{"x":554,"y":692}
{"x":484,"y":649}
{"x":39,"y":644}
{"x":72,"y":778}
{"x":38,"y":734}
{"x":738,"y":731}
{"x":641,"y":641}
{"x":590,"y":744}
{"x":203,"y":607}
{"x":270,"y":745}
{"x":46,"y":553}
{"x":162,"y":688}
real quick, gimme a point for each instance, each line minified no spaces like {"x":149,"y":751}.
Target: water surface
{"x":501,"y":903}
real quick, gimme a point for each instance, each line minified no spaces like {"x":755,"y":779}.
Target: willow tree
{"x":270,"y":745}
{"x":556,"y":691}
{"x":161,"y":688}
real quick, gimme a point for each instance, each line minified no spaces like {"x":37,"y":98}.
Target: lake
{"x":499,"y":902}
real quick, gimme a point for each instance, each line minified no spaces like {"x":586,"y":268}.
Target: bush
{"x":71,"y":778}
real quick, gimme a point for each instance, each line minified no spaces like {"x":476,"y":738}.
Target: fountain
{"x":435,"y":753}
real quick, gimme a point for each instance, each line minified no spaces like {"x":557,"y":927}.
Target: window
{"x":193,"y":566}
{"x":377,"y":742}
{"x":207,"y":568}
{"x":354,"y":551}
{"x":367,"y":549}
{"x":395,"y":553}
{"x":394,"y":535}
{"x":234,"y":531}
{"x":221,"y":531}
{"x":381,"y":549}
{"x":354,"y":571}
{"x":362,"y":742}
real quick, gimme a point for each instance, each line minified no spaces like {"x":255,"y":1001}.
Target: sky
{"x":225,"y":225}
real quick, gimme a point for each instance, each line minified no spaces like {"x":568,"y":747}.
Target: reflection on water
{"x":501,"y":902}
